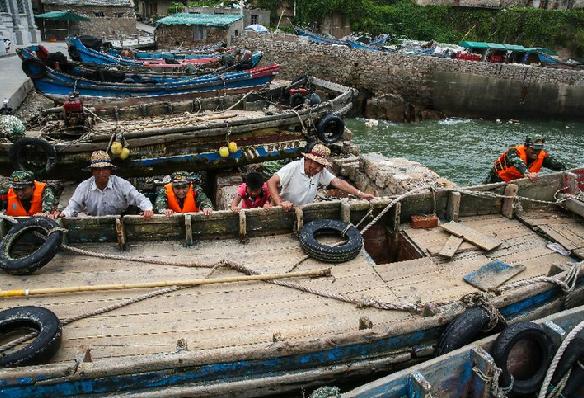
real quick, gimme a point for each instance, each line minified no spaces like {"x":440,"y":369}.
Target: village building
{"x":193,"y":30}
{"x":152,"y":9}
{"x":107,"y":18}
{"x":17,"y":22}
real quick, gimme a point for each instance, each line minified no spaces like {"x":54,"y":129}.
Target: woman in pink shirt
{"x":253,"y":193}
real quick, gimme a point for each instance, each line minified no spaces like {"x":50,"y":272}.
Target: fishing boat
{"x":168,"y":136}
{"x":471,"y":371}
{"x":383,"y":308}
{"x":79,"y":52}
{"x":58,"y":85}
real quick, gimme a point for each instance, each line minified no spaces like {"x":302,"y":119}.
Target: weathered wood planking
{"x":91,"y":229}
{"x":481,"y":240}
{"x":450,"y":247}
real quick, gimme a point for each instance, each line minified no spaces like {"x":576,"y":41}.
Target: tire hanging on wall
{"x":330,"y":128}
{"x":25,"y":144}
{"x":43,"y":346}
{"x":37,"y":259}
{"x":330,"y":254}
{"x":464,"y":329}
{"x":504,"y":344}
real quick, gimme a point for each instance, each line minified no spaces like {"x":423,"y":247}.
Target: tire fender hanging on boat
{"x":26,"y":144}
{"x":43,"y":346}
{"x":38,"y":258}
{"x":464,"y":329}
{"x":538,"y":349}
{"x":330,"y":253}
{"x":330,"y":128}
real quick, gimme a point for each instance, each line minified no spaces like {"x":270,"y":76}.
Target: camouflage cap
{"x":21,"y":178}
{"x":180,"y":178}
{"x":536,"y":142}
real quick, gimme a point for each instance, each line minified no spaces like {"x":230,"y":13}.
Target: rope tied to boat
{"x":493,"y":382}
{"x":566,"y":281}
{"x":483,"y":300}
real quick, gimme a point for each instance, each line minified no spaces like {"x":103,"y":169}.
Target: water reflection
{"x":463,"y":150}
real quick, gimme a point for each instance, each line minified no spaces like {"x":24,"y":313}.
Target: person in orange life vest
{"x":27,"y":197}
{"x":181,"y":196}
{"x":253,"y":193}
{"x":523,"y":161}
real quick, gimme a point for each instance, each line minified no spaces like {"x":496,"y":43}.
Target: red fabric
{"x":247,"y":202}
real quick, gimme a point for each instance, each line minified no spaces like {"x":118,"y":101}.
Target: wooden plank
{"x":121,"y":233}
{"x":507,"y":206}
{"x":450,"y":247}
{"x":188,"y":230}
{"x":574,"y":206}
{"x":492,"y":275}
{"x":475,"y":237}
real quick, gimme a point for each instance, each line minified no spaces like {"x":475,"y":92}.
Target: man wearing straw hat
{"x":296,"y":183}
{"x":105,"y":194}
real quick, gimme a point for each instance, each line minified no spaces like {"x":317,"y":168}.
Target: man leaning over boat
{"x":296,"y":183}
{"x":26,"y":197}
{"x":182,"y":196}
{"x":105,"y":194}
{"x":523,"y":161}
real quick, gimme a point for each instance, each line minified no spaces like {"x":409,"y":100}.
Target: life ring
{"x":28,"y":145}
{"x":326,"y":253}
{"x":43,"y":346}
{"x":37,"y":259}
{"x":34,"y":68}
{"x":464,"y":329}
{"x":297,"y":100}
{"x":330,"y":128}
{"x":540,"y":350}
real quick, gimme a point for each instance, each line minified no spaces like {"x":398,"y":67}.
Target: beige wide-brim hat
{"x":319,"y":154}
{"x":100,"y":160}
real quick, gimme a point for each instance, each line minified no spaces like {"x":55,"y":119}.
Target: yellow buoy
{"x":125,"y":153}
{"x":224,"y":152}
{"x":232,"y":147}
{"x":116,"y":148}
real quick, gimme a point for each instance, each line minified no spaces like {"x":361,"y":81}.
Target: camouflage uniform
{"x":182,"y":177}
{"x":50,"y":200}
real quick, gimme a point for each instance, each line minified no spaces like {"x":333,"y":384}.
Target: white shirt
{"x":297,"y":187}
{"x":112,"y":200}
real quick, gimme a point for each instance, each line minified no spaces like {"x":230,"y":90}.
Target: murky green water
{"x":463,"y":150}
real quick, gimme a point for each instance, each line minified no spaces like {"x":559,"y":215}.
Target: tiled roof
{"x":199,"y":19}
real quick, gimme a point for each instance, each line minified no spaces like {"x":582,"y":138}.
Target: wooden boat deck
{"x":256,"y":314}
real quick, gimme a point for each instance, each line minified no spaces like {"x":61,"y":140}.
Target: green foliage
{"x":175,"y":7}
{"x":203,"y":3}
{"x":530,"y":27}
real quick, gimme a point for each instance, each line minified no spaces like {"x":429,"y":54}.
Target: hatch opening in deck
{"x":385,"y":246}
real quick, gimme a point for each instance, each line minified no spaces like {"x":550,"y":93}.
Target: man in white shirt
{"x":296,"y":183}
{"x":105,"y":194}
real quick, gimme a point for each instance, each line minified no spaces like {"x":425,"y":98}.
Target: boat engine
{"x":73,"y":112}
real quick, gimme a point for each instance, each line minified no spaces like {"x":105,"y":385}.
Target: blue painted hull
{"x":226,"y":372}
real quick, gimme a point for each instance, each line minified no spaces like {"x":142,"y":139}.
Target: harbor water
{"x":463,"y":150}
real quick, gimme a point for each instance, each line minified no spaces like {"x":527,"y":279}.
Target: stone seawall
{"x":406,"y":87}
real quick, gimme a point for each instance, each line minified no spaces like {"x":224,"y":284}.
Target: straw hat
{"x":319,"y":154}
{"x":100,"y":160}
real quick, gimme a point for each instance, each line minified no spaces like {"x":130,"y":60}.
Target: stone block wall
{"x":173,"y":36}
{"x":105,"y":21}
{"x":422,"y":83}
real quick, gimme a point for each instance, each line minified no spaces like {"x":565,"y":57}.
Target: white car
{"x":7,"y":44}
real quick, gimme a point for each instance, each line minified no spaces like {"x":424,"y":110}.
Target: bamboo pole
{"x":187,"y":282}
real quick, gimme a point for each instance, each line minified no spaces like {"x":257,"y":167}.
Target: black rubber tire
{"x":464,"y":329}
{"x":37,"y":259}
{"x":297,"y":100}
{"x":43,"y":346}
{"x":20,"y":147}
{"x":574,"y":352}
{"x":74,"y":53}
{"x":34,"y":68}
{"x":325,"y":253}
{"x":505,"y":342}
{"x":330,"y":128}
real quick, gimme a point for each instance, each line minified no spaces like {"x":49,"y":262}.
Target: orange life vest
{"x":15,"y":208}
{"x":508,"y":173}
{"x":189,"y":205}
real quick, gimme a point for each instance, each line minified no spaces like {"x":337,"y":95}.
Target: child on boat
{"x":253,"y":193}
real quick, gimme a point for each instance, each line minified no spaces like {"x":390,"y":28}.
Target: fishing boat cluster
{"x":265,"y":301}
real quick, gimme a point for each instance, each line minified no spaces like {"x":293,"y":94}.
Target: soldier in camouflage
{"x":27,"y":197}
{"x":523,"y":161}
{"x":181,"y":195}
